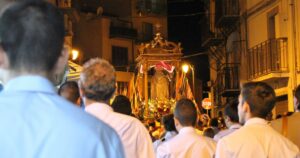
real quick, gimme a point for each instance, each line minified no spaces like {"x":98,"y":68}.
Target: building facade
{"x":256,"y":40}
{"x":112,"y":29}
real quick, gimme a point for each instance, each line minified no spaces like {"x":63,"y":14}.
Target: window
{"x":147,"y":31}
{"x":119,"y":56}
{"x":152,"y":6}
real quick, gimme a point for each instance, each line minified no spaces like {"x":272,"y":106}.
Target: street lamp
{"x":75,"y":54}
{"x":185,"y":68}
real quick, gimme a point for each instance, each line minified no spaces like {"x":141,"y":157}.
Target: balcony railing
{"x":227,"y":12}
{"x":268,"y":57}
{"x":122,"y":29}
{"x":229,"y":80}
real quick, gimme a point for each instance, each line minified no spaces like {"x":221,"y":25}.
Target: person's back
{"x":97,"y":84}
{"x":135,"y":137}
{"x":169,"y":129}
{"x":34,"y":120}
{"x":231,"y":120}
{"x":256,"y":138}
{"x":187,"y":143}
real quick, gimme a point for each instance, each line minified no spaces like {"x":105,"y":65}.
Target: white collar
{"x":185,"y":130}
{"x":98,"y":107}
{"x":235,"y":126}
{"x":170,"y":134}
{"x":256,"y":121}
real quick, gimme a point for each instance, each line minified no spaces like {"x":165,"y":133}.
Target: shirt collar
{"x":256,"y":121}
{"x":98,"y":107}
{"x":235,"y":126}
{"x":30,"y":83}
{"x":185,"y":130}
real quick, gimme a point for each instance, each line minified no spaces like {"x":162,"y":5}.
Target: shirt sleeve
{"x":221,"y":150}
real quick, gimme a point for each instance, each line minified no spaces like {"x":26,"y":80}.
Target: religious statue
{"x":159,"y":86}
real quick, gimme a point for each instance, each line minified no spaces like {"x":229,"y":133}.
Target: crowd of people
{"x":79,"y":121}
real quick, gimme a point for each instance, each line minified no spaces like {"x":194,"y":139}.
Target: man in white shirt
{"x":231,"y":120}
{"x":187,"y":143}
{"x":97,"y":85}
{"x":169,"y":128}
{"x":256,"y":138}
{"x":289,"y":126}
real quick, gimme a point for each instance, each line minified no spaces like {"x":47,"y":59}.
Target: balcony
{"x":122,"y":29}
{"x":268,"y":60}
{"x":227,"y":13}
{"x":211,"y":40}
{"x":229,"y":80}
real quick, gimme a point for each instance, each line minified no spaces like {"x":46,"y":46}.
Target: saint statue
{"x":159,"y":86}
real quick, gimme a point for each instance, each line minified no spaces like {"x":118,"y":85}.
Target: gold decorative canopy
{"x":157,"y":53}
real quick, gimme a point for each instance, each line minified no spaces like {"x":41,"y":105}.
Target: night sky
{"x":186,"y":22}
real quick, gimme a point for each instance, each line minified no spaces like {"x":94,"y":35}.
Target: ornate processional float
{"x":159,"y":81}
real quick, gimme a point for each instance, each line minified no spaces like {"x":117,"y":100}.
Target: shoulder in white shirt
{"x":135,"y":137}
{"x":186,"y":144}
{"x":226,"y":132}
{"x":256,"y":139}
{"x":169,"y":135}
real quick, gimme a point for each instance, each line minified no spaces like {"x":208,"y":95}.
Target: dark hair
{"x":209,"y":132}
{"x":186,"y":113}
{"x":260,"y":97}
{"x":168,"y":121}
{"x":72,"y":88}
{"x":98,"y":80}
{"x":231,"y":110}
{"x":32,"y":35}
{"x":214,"y":122}
{"x":297,"y":95}
{"x":121,"y":104}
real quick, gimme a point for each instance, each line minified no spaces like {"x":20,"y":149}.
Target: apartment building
{"x":254,"y":40}
{"x":112,"y":29}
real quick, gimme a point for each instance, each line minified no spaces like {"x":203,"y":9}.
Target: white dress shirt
{"x":226,"y":132}
{"x":256,"y":139}
{"x":186,"y":144}
{"x":37,"y":123}
{"x":135,"y":137}
{"x":168,"y":136}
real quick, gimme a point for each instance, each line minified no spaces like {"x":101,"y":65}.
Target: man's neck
{"x":181,"y":127}
{"x":12,"y":74}
{"x":233,"y":124}
{"x":88,"y":102}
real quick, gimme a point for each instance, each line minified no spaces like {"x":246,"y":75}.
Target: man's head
{"x":257,"y":99}
{"x":297,"y":99}
{"x":97,"y":80}
{"x":231,"y":112}
{"x":168,"y":122}
{"x":121,"y":104}
{"x":31,"y":38}
{"x":70,"y":91}
{"x":185,"y":114}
